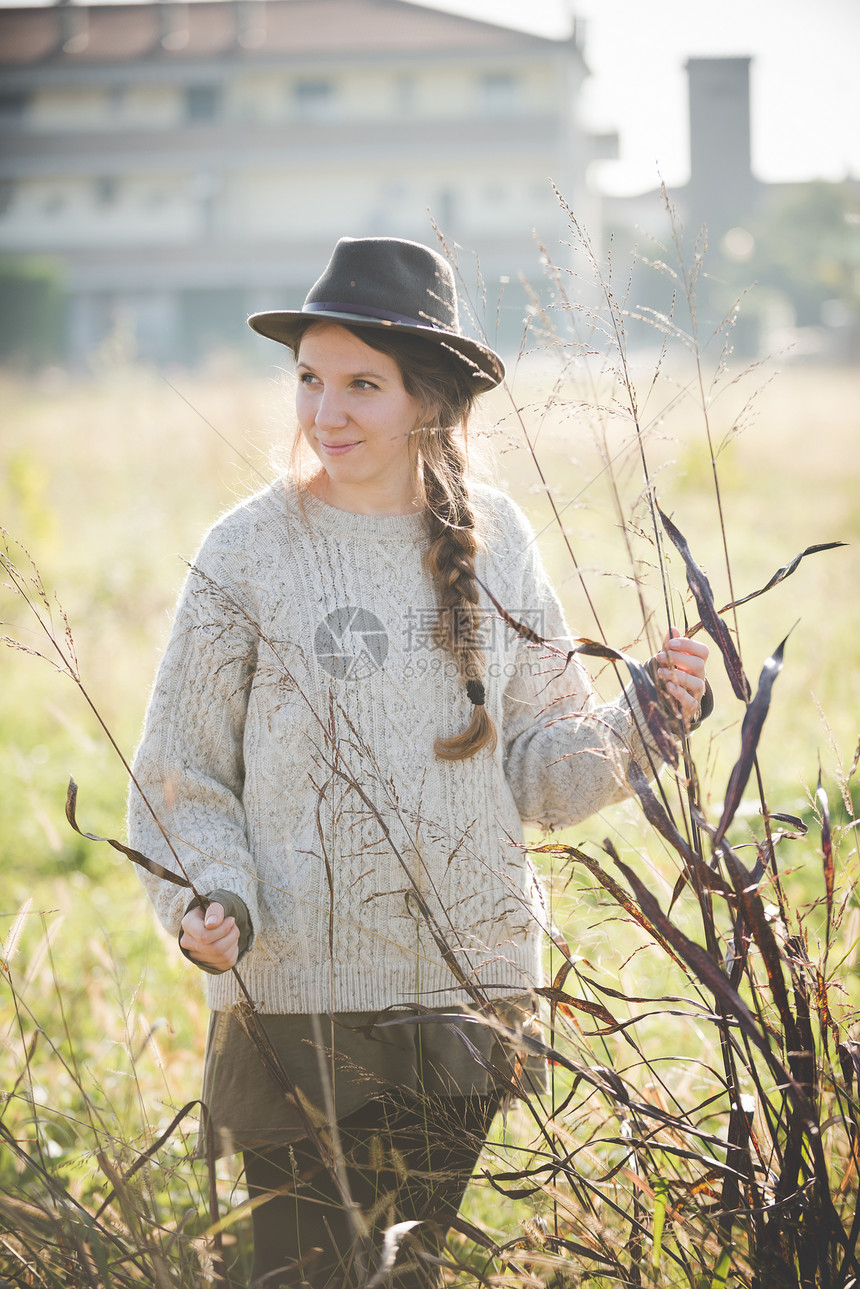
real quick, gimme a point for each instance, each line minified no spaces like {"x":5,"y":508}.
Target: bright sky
{"x":804,"y":78}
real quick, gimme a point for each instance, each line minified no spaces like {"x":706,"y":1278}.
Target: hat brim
{"x":283,"y":326}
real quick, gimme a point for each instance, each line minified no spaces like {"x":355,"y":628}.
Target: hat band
{"x":338,"y":306}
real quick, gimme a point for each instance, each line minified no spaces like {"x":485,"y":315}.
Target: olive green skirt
{"x":335,"y":1064}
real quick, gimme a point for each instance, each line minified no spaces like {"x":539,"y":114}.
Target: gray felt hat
{"x":391,"y":283}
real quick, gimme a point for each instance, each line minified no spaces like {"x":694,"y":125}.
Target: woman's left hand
{"x":680,"y":669}
{"x":210,"y":939}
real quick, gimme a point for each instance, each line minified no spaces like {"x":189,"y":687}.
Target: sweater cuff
{"x":233,"y":907}
{"x":706,"y":706}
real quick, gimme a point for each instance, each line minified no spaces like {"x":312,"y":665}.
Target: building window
{"x":13,"y":107}
{"x":404,"y":94}
{"x":445,"y":211}
{"x":499,"y":94}
{"x":314,"y":100}
{"x":105,"y":189}
{"x":202,"y":102}
{"x":54,"y":205}
{"x":206,"y":188}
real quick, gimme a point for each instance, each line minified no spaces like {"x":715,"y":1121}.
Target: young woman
{"x":343,"y":742}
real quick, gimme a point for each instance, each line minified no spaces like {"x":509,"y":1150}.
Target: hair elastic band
{"x":475,"y":692}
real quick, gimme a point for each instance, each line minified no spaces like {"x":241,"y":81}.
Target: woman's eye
{"x":365,"y":384}
{"x":307,"y":378}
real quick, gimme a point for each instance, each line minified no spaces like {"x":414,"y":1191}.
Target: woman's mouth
{"x":337,"y":449}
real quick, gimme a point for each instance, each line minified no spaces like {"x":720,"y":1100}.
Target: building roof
{"x":76,"y":34}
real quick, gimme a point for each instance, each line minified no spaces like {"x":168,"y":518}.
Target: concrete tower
{"x":722,"y":188}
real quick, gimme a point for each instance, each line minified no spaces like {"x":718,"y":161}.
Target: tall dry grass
{"x":700,"y":1023}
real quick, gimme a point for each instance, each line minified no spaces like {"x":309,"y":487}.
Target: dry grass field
{"x":109,"y":482}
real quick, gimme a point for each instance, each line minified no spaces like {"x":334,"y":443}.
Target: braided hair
{"x":441,"y":382}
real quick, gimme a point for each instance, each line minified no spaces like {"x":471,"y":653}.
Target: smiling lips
{"x":337,"y":449}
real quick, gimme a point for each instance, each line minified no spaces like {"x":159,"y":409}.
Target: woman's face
{"x":357,"y":417}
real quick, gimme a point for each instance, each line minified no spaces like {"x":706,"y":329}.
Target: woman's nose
{"x":330,"y":409}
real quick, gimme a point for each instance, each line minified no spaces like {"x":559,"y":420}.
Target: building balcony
{"x":232,"y":145}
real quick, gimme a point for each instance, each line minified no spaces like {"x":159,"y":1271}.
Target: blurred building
{"x":183,"y":164}
{"x":722,"y":191}
{"x":795,"y":244}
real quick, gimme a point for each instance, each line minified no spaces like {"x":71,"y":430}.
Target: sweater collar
{"x":323,"y":518}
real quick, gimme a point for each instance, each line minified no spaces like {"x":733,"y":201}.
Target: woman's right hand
{"x":210,"y":938}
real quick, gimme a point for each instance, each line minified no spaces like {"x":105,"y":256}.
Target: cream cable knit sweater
{"x":302,"y":661}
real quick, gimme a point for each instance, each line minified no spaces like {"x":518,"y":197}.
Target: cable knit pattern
{"x":302,"y":662}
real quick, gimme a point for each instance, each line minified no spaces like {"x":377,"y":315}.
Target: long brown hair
{"x":442,"y":384}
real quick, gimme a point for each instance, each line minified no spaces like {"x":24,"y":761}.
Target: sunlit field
{"x":109,"y":481}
